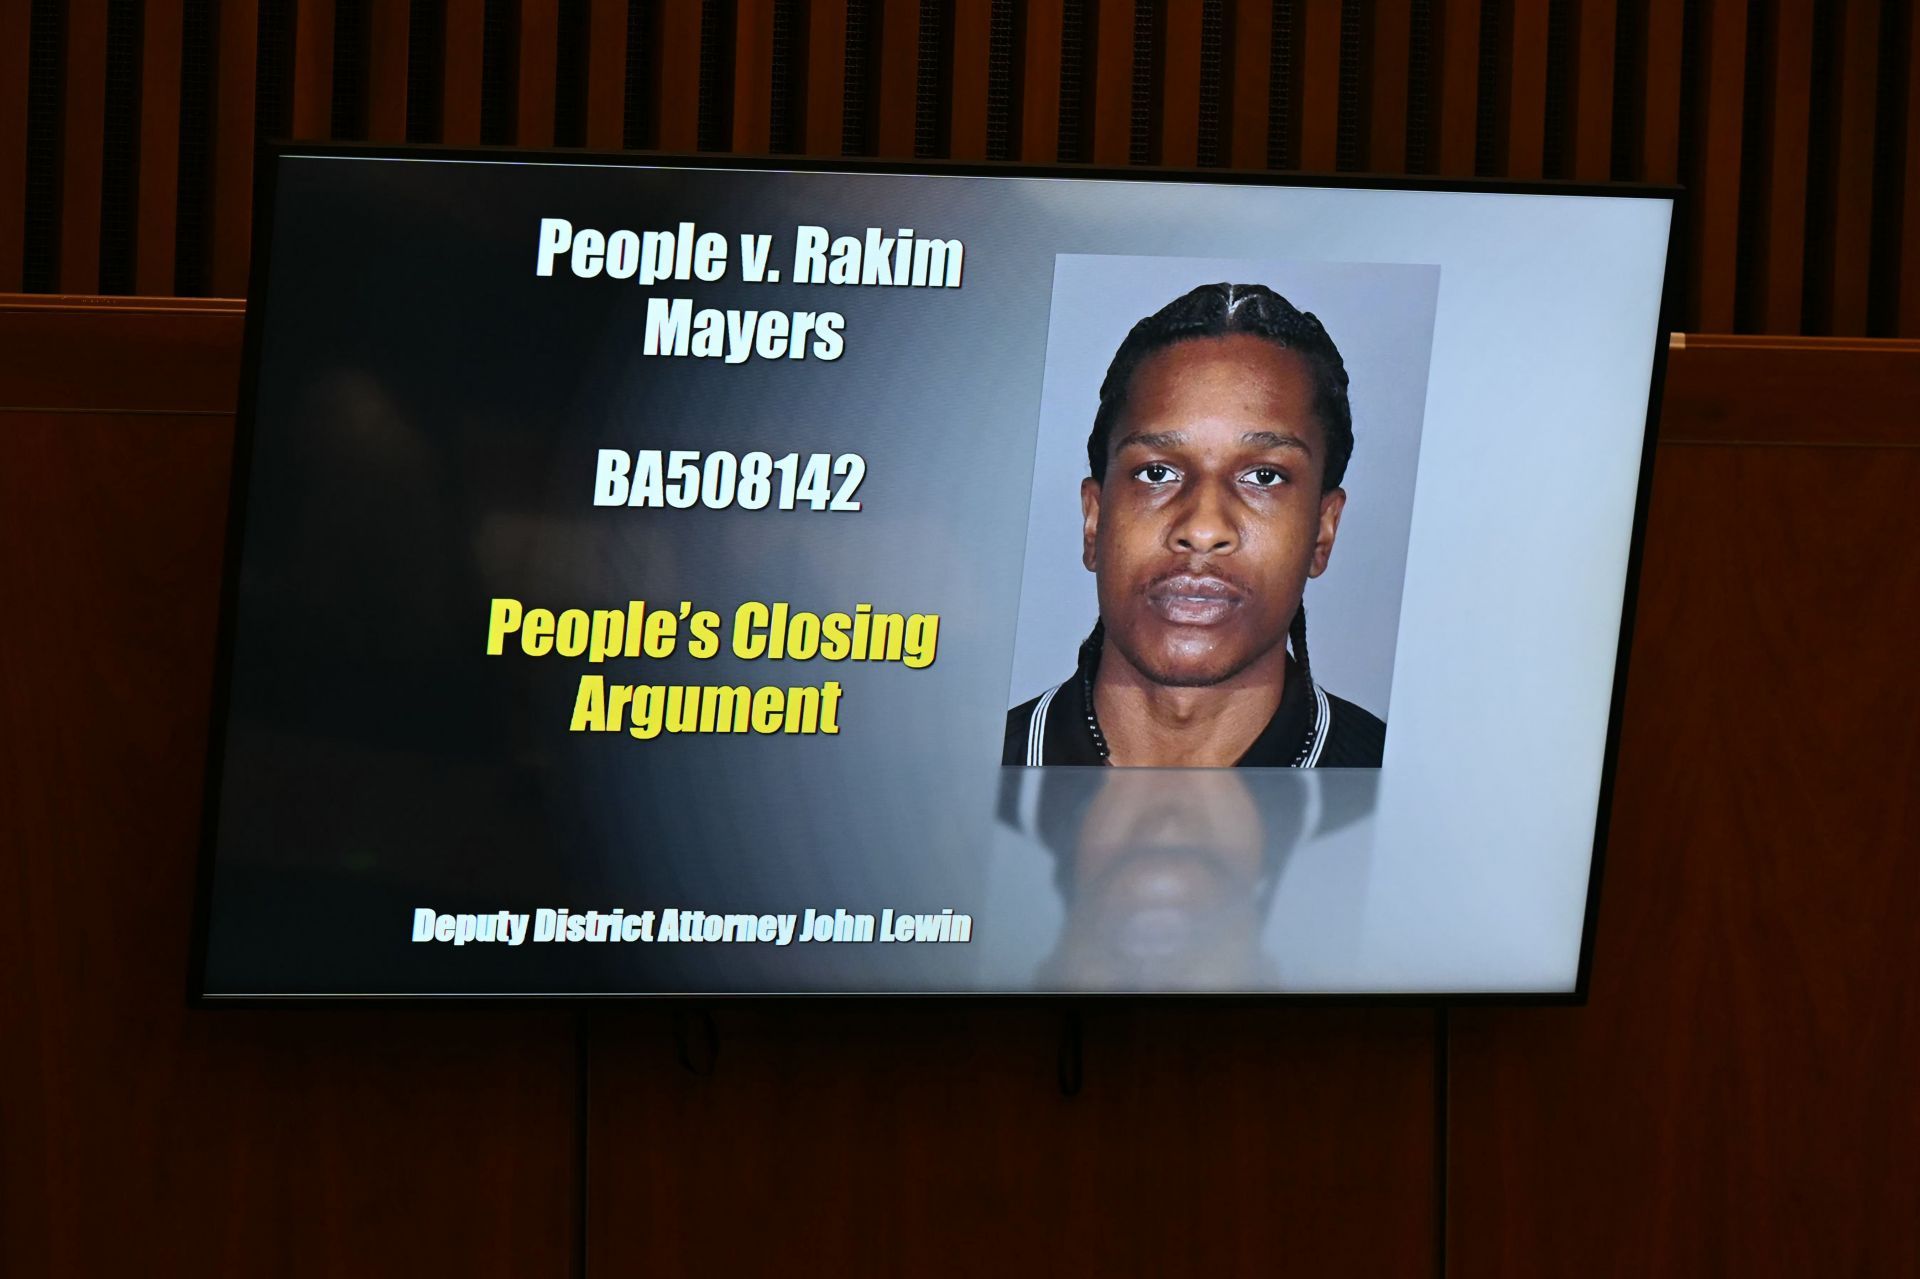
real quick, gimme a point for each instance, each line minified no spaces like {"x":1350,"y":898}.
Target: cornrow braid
{"x":1217,"y":310}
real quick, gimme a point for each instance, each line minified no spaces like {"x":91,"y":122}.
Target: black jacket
{"x":1311,"y":728}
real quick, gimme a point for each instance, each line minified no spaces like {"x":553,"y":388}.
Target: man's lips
{"x":1191,"y":599}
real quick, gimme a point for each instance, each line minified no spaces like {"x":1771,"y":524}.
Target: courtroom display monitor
{"x":702,"y":576}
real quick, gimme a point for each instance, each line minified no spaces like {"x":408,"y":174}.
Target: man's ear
{"x":1331,"y":504}
{"x":1089,"y":520}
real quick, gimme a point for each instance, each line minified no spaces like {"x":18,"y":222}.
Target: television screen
{"x":666,"y":577}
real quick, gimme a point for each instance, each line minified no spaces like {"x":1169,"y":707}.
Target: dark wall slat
{"x":967,"y":127}
{"x":1318,"y":63}
{"x":387,"y":72}
{"x":157,"y":191}
{"x":1110,"y":112}
{"x":1457,"y":81}
{"x":1593,"y":91}
{"x":755,"y":76}
{"x":895,"y":70}
{"x":1852,"y":148}
{"x":1908,"y":314}
{"x":677,"y":91}
{"x":15,"y":39}
{"x":83,"y":132}
{"x":826,"y":76}
{"x":462,"y":76}
{"x":1249,"y":42}
{"x":1714,"y":213}
{"x":1040,"y":82}
{"x":1177,"y":138}
{"x":606,"y":74}
{"x":231,"y":216}
{"x":1782,"y":229}
{"x":1660,"y":121}
{"x":313,"y":69}
{"x":539,"y":52}
{"x":1524,"y":55}
{"x":1391,"y":38}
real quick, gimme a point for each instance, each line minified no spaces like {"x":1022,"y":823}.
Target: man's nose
{"x":1204,"y":525}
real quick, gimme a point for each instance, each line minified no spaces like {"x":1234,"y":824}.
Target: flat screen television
{"x":656,"y":576}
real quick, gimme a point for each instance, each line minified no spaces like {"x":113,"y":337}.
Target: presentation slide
{"x":666,"y":578}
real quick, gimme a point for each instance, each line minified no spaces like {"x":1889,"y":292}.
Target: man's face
{"x":1211,"y":518}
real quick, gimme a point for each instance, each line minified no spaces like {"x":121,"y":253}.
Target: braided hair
{"x":1218,"y":310}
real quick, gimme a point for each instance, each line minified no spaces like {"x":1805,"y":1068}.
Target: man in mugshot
{"x":1216,"y":458}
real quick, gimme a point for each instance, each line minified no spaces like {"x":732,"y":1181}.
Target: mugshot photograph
{"x":1213,"y":495}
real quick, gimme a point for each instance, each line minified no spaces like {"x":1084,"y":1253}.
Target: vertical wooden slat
{"x":827,"y":75}
{"x":1526,"y":106}
{"x":1040,"y":82}
{"x":387,"y":72}
{"x":158,"y":198}
{"x":678,"y":87}
{"x":236,"y":45}
{"x":1660,"y":116}
{"x":539,"y":61}
{"x":753,"y":76}
{"x":893,"y":77}
{"x":1853,"y":166}
{"x":1783,"y":232}
{"x":972,"y":30}
{"x":1715,"y":230}
{"x":461,"y":85}
{"x":1180,"y":86}
{"x":1320,"y":81}
{"x":1387,"y":92}
{"x":313,"y":69}
{"x":1457,"y":85}
{"x":15,"y":20}
{"x":1593,"y":90}
{"x":1249,"y":40}
{"x":606,"y":74}
{"x":1112,"y":80}
{"x":84,"y":118}
{"x":1908,"y":321}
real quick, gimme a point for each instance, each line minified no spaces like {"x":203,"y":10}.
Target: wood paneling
{"x":158,"y":197}
{"x":1211,"y":1141}
{"x":1736,"y":1092}
{"x":218,"y":1141}
{"x":1737,"y":1097}
{"x":15,"y":25}
{"x":83,"y":129}
{"x":1804,"y":209}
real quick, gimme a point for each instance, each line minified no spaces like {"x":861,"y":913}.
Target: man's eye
{"x":1267,"y":477}
{"x":1155,"y":473}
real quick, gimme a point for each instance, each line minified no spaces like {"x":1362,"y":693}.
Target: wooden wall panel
{"x":935,"y":1139}
{"x":1782,"y":230}
{"x":142,"y":1136}
{"x":1250,"y":53}
{"x":83,"y":130}
{"x":387,"y":72}
{"x":1386,"y":149}
{"x":1525,"y":109}
{"x":1457,"y":76}
{"x":1804,"y":213}
{"x":157,"y":197}
{"x":230,"y":227}
{"x":1318,"y":72}
{"x":1593,"y":91}
{"x":313,"y":65}
{"x":1736,"y":1098}
{"x":15,"y":24}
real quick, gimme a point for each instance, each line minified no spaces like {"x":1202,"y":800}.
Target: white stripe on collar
{"x":1037,"y":726}
{"x":1322,"y":720}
